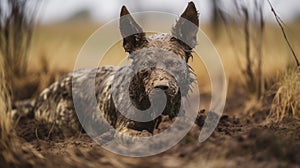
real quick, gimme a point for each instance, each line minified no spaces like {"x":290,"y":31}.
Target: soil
{"x":241,"y":139}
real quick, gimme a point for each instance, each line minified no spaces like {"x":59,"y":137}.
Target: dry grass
{"x":12,"y":152}
{"x":287,"y":98}
{"x":5,"y":122}
{"x":16,"y":27}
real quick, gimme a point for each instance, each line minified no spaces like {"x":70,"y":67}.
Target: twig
{"x":280,"y":23}
{"x":248,"y":70}
{"x":259,"y":46}
{"x":230,"y":36}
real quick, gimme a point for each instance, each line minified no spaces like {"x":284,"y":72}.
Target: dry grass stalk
{"x":249,"y":72}
{"x":249,"y":23}
{"x":287,"y":98}
{"x":16,"y":27}
{"x":259,"y":46}
{"x":281,"y":23}
{"x":13,"y":153}
{"x":5,"y":121}
{"x":253,"y":31}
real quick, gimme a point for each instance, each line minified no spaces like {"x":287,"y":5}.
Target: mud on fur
{"x":154,"y":53}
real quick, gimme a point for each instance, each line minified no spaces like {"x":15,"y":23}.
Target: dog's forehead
{"x":155,"y":54}
{"x":159,"y":36}
{"x":164,"y":41}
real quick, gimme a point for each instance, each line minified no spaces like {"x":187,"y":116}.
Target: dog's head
{"x":160,"y":60}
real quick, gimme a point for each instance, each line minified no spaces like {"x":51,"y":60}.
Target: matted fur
{"x":55,"y":104}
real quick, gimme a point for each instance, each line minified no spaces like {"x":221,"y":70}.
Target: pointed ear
{"x":133,"y":35}
{"x":186,"y":28}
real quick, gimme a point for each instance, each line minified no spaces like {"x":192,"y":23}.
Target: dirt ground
{"x":241,"y":139}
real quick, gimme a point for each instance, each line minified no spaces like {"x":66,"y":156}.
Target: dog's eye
{"x":145,"y":65}
{"x":152,"y":64}
{"x":148,"y":64}
{"x":173,"y":64}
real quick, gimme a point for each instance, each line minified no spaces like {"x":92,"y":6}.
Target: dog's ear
{"x":186,"y":28}
{"x":133,"y":35}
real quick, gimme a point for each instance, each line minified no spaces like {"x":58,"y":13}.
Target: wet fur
{"x":55,"y":104}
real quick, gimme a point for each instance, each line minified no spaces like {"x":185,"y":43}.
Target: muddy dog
{"x":159,"y":62}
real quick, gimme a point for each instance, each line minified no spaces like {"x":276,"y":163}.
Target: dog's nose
{"x":162,"y":87}
{"x":162,"y":84}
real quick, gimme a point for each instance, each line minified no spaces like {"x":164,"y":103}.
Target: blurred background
{"x":102,"y":11}
{"x":58,"y":21}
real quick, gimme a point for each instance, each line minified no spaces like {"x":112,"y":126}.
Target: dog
{"x":159,"y":65}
